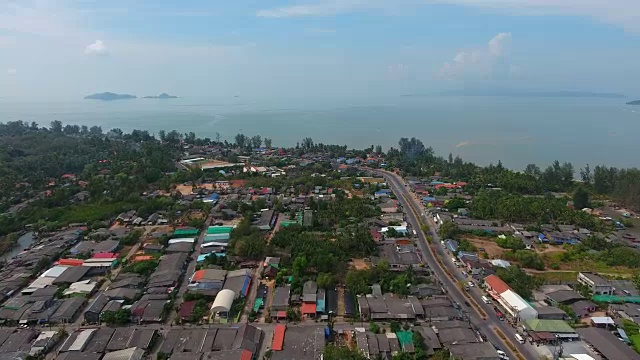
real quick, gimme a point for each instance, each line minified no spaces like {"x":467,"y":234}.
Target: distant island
{"x":635,"y":102}
{"x":109,"y":96}
{"x":161,"y":96}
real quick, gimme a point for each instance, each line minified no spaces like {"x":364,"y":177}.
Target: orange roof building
{"x":71,"y":262}
{"x":495,"y":284}
{"x":278,"y":337}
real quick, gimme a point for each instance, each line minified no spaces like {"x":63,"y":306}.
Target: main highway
{"x":486,"y":325}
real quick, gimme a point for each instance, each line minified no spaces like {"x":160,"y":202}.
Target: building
{"x":309,"y":299}
{"x":92,"y":314}
{"x":558,"y":328}
{"x":473,"y":351}
{"x":607,"y":344}
{"x":596,"y":283}
{"x":280,"y":302}
{"x":267,"y":220}
{"x":513,"y":303}
{"x":223,"y":302}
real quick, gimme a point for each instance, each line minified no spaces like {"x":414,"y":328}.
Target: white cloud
{"x":321,"y":8}
{"x":623,"y":13}
{"x":490,"y":60}
{"x":12,"y":71}
{"x":39,"y":17}
{"x":97,"y":48}
{"x":320,"y":30}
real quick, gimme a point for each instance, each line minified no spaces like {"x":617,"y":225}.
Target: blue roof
{"x":320,"y":305}
{"x":204,"y":256}
{"x":452,"y":245}
{"x":214,"y":196}
{"x":428,"y":198}
{"x":436,"y":182}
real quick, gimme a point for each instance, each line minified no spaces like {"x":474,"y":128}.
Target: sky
{"x":315,"y":48}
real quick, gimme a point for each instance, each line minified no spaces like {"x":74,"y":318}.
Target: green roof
{"x":219,"y":229}
{"x":405,"y":337}
{"x":181,"y":232}
{"x":552,"y":326}
{"x":616,"y":299}
{"x":258,"y":304}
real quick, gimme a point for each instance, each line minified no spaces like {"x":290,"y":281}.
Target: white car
{"x":470,"y":283}
{"x":502,"y":355}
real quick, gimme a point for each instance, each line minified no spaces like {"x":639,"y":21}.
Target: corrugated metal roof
{"x":82,"y":339}
{"x":278,"y":337}
{"x":126,"y":354}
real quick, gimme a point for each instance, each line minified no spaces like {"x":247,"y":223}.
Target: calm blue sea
{"x":515,"y":130}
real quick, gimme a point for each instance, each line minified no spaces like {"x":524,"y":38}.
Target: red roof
{"x":71,"y":262}
{"x":105,"y":255}
{"x":308,"y":308}
{"x":403,"y":242}
{"x":186,"y":308}
{"x":461,"y":183}
{"x":198,"y":275}
{"x":376,"y":235}
{"x":278,"y":337}
{"x":281,"y":314}
{"x":496,"y":284}
{"x":246,"y":355}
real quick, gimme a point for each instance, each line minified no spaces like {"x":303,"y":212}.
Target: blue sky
{"x":69,"y":48}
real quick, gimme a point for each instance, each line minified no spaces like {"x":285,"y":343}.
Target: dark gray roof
{"x":562,"y":296}
{"x":120,"y":339}
{"x":475,"y":351}
{"x":77,"y":355}
{"x":71,"y":275}
{"x":99,"y":340}
{"x":607,"y":344}
{"x":141,"y":338}
{"x":281,"y":296}
{"x":98,"y":304}
{"x":68,"y":309}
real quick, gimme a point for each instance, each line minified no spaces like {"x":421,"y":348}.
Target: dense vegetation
{"x":416,"y":159}
{"x":359,"y":281}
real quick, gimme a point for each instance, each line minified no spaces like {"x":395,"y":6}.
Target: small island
{"x":109,"y":96}
{"x":635,"y":102}
{"x":161,"y":96}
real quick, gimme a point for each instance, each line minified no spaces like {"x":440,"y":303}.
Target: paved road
{"x":484,"y":325}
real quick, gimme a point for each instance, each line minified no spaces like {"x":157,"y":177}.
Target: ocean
{"x":514,"y":130}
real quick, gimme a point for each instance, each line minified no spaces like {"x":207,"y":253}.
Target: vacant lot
{"x":359,"y":264}
{"x":490,"y":247}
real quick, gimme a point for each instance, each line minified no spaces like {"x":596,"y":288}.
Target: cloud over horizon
{"x":622,"y":13}
{"x":98,"y":48}
{"x":491,"y":60}
{"x":12,"y":71}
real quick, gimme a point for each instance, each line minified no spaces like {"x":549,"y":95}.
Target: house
{"x":92,"y":314}
{"x":551,"y":313}
{"x":565,"y":297}
{"x":425,"y":290}
{"x":309,"y":299}
{"x":153,"y":248}
{"x":607,"y":344}
{"x":389,"y":207}
{"x":596,"y":283}
{"x":280,"y":302}
{"x":583,"y":308}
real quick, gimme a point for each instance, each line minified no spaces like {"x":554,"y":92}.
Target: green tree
{"x":394,"y":326}
{"x":336,"y":352}
{"x":448,"y":230}
{"x":580,"y":198}
{"x":521,"y":282}
{"x":374,"y":328}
